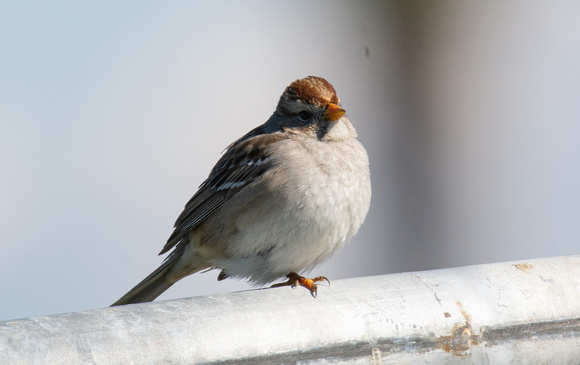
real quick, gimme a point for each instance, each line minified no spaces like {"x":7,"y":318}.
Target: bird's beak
{"x":334,"y":112}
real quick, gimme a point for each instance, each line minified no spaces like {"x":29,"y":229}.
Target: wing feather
{"x":243,"y":161}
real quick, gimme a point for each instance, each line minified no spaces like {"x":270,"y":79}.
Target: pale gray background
{"x":111,"y":114}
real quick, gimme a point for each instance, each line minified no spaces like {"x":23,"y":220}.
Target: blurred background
{"x":111,"y":115}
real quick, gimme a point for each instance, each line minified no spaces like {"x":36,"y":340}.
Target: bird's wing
{"x":243,"y":161}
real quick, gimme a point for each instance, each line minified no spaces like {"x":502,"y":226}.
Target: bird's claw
{"x":294,"y":280}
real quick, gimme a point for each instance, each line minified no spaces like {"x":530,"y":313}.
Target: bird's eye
{"x":305,"y":114}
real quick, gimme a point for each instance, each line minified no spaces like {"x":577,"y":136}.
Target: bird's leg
{"x":294,"y":280}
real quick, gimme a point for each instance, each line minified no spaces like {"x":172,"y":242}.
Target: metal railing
{"x":525,"y":312}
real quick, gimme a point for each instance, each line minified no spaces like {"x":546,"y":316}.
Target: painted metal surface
{"x":524,"y":312}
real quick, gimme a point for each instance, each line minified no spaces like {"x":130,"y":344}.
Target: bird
{"x":281,"y":200}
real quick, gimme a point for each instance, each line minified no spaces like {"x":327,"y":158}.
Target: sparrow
{"x":281,"y":200}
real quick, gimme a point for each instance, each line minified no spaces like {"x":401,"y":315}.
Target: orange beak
{"x":334,"y":112}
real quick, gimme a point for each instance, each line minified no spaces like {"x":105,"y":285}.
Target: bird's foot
{"x":294,"y":280}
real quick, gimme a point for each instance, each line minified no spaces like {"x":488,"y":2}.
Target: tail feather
{"x":171,"y":270}
{"x":150,"y":288}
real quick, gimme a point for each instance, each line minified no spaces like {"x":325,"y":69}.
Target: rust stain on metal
{"x":464,"y":313}
{"x":527,"y":268}
{"x":461,"y":338}
{"x":459,"y":343}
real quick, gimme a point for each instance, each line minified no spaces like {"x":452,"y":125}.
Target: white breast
{"x":321,"y":197}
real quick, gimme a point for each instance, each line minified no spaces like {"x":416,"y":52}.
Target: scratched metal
{"x":525,"y":312}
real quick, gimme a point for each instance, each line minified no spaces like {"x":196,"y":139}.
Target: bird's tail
{"x":159,"y":280}
{"x":150,"y":288}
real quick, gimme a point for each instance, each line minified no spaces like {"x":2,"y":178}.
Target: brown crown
{"x":313,"y":90}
